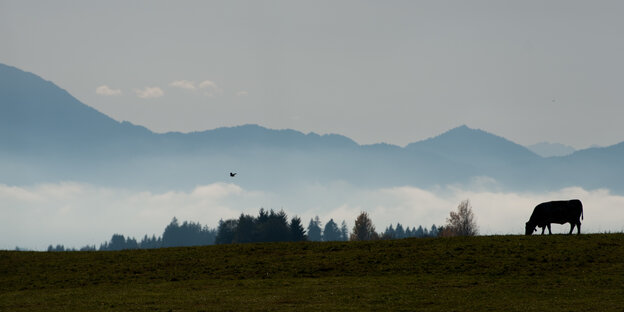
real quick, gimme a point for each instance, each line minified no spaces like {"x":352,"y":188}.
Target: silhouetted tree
{"x":445,"y":232}
{"x":57,"y":248}
{"x":399,"y":232}
{"x":131,"y":243}
{"x":150,"y":242}
{"x":88,"y":248}
{"x":263,"y":216}
{"x":172,"y":232}
{"x":461,"y":223}
{"x":269,"y":226}
{"x":275,"y":229}
{"x":389,"y":233}
{"x":226,"y":231}
{"x":434,"y":232}
{"x":408,"y":232}
{"x":245,"y":229}
{"x":119,"y":242}
{"x":363,"y":229}
{"x":296,"y":230}
{"x":344,"y":231}
{"x":331,"y":232}
{"x":187,"y":234}
{"x":419,"y":232}
{"x":314,"y":230}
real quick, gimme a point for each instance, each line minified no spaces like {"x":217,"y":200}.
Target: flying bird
{"x":232,"y":174}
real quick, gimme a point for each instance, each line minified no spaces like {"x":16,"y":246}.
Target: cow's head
{"x":529,"y":228}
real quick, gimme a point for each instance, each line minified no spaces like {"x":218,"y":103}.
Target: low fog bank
{"x":77,"y":214}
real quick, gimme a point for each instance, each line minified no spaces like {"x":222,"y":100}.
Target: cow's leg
{"x":571,"y":227}
{"x":549,"y":231}
{"x":543,"y":228}
{"x":578,"y":228}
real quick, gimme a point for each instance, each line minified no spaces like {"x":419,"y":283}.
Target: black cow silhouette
{"x":562,"y":211}
{"x":232,"y":174}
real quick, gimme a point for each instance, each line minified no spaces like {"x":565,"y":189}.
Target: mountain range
{"x":47,"y":135}
{"x":547,"y":149}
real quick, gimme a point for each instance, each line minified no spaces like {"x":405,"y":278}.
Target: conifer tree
{"x":344,"y":231}
{"x":331,"y":232}
{"x":296,"y":230}
{"x":314,"y":230}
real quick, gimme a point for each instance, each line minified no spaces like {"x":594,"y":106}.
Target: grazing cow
{"x":562,"y":211}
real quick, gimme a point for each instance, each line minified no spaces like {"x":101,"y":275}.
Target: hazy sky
{"x":392,"y":71}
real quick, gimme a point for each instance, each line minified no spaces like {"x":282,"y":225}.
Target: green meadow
{"x":486,"y":273}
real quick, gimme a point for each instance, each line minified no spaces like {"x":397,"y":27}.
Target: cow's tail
{"x":581,"y":210}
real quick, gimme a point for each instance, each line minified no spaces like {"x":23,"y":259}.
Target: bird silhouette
{"x":232,"y":174}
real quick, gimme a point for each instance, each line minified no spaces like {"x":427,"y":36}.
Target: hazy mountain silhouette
{"x":476,"y":148}
{"x":47,"y":135}
{"x":546,"y":149}
{"x":36,"y":115}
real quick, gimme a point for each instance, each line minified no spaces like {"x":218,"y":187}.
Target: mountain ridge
{"x":548,"y":149}
{"x":52,"y":136}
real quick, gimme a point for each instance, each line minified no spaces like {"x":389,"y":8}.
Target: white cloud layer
{"x":76,"y":214}
{"x":149,"y":92}
{"x":183,"y":84}
{"x":210,"y":88}
{"x":107,"y":91}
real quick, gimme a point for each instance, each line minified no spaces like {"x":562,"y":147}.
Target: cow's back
{"x":561,"y":211}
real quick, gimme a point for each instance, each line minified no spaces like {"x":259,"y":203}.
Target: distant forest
{"x":268,"y":226}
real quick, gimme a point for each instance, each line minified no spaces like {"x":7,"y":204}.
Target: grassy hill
{"x":499,"y":273}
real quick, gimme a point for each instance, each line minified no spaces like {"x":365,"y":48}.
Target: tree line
{"x":176,"y":234}
{"x":272,"y":226}
{"x":268,"y":226}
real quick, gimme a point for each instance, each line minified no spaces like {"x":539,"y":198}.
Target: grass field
{"x":491,"y":273}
